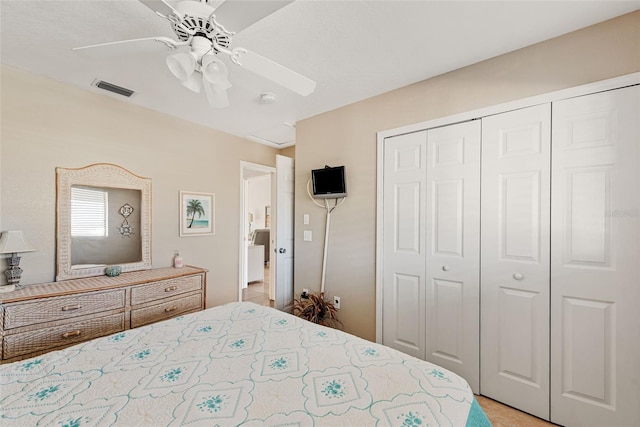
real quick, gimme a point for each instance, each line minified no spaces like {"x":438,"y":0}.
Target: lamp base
{"x":13,"y":273}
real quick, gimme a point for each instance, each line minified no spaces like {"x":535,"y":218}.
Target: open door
{"x":250,"y":207}
{"x":282,"y":246}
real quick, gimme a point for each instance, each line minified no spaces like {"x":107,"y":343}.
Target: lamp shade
{"x":181,"y":65}
{"x":194,"y":82}
{"x":217,"y":97}
{"x":216,"y":72}
{"x":14,"y":242}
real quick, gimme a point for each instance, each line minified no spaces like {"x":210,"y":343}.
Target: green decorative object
{"x":113,"y":270}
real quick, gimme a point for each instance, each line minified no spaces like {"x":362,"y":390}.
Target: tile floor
{"x":258,"y":292}
{"x":500,"y":415}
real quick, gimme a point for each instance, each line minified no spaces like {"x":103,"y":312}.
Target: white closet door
{"x":453,"y":245}
{"x":515,"y":259}
{"x":595,"y":264}
{"x":403,"y":322}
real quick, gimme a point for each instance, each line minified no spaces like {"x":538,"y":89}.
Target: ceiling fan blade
{"x":134,"y":45}
{"x":275,"y":72}
{"x":161,"y":7}
{"x":239,"y":14}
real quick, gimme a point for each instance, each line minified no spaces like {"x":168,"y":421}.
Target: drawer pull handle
{"x":170,"y":288}
{"x":71,"y":334}
{"x":168,"y":309}
{"x":70,"y":307}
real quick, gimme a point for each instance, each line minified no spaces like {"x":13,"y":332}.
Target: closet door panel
{"x":515,"y":258}
{"x":595,"y":264}
{"x":403,"y":323}
{"x":453,"y":233}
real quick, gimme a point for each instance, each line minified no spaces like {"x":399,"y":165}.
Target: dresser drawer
{"x":61,"y":336}
{"x":165,"y":288}
{"x":60,"y":308}
{"x":166,"y":310}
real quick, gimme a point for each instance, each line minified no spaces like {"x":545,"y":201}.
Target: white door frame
{"x":283,"y":236}
{"x":244,"y":227}
{"x":589,"y":88}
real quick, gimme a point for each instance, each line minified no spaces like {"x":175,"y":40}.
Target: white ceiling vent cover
{"x":280,"y":135}
{"x":113,"y":88}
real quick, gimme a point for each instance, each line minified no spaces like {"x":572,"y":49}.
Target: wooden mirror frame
{"x":98,"y":175}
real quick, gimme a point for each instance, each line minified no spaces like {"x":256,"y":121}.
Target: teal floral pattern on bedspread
{"x":237,"y":364}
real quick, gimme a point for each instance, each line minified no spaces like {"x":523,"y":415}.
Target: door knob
{"x":518,"y":276}
{"x":282,"y":250}
{"x":445,"y":268}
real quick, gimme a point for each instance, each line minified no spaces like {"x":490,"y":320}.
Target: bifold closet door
{"x":595,"y":263}
{"x":515,"y":259}
{"x":404,"y":255}
{"x":453,"y":245}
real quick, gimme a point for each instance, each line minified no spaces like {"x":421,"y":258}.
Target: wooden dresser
{"x":50,"y":316}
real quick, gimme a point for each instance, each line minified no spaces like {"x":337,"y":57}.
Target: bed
{"x":236,"y":364}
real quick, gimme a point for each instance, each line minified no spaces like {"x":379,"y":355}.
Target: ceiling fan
{"x":196,"y":26}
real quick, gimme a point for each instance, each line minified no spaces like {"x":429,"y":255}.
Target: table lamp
{"x":13,"y":242}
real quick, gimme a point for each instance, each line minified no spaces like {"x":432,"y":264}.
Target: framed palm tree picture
{"x":196,"y":213}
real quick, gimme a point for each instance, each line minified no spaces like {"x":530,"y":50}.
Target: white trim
{"x":270,"y":143}
{"x":600,"y":86}
{"x":256,"y":167}
{"x":379,"y":229}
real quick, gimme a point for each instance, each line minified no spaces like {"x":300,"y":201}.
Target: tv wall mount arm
{"x":326,"y":206}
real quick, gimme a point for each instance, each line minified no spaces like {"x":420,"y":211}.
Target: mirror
{"x":103,"y":218}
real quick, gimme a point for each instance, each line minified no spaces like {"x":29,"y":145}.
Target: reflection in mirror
{"x":102,"y":232}
{"x":103,"y":218}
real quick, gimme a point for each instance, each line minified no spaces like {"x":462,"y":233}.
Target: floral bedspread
{"x":236,"y":364}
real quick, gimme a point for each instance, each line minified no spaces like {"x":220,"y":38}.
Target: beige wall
{"x":347,"y":136}
{"x":46,"y":124}
{"x":288,"y":152}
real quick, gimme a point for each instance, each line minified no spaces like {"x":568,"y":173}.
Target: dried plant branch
{"x":316,"y":309}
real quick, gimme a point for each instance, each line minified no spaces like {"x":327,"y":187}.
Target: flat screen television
{"x":329,"y":182}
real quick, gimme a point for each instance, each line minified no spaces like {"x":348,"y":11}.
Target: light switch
{"x":306,"y":219}
{"x":307,"y":235}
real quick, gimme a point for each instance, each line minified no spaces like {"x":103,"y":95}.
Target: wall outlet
{"x":307,"y":236}
{"x":304,"y":294}
{"x":336,"y":302}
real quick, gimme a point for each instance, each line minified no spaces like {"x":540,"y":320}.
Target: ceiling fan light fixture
{"x":194,"y":82}
{"x":216,"y":96}
{"x":182,"y":65}
{"x":215,"y":72}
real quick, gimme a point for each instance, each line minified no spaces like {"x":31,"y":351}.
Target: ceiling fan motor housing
{"x":195,"y":18}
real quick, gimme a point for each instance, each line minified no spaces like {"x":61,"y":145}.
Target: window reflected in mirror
{"x":102,"y":232}
{"x":89,"y":212}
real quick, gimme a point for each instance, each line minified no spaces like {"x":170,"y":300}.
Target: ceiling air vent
{"x":113,"y":88}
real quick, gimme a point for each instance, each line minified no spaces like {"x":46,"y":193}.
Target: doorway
{"x":257,"y":228}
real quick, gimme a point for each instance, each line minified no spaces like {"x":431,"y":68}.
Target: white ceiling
{"x":352,"y":49}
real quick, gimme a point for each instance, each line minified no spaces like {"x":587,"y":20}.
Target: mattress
{"x":236,"y":364}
